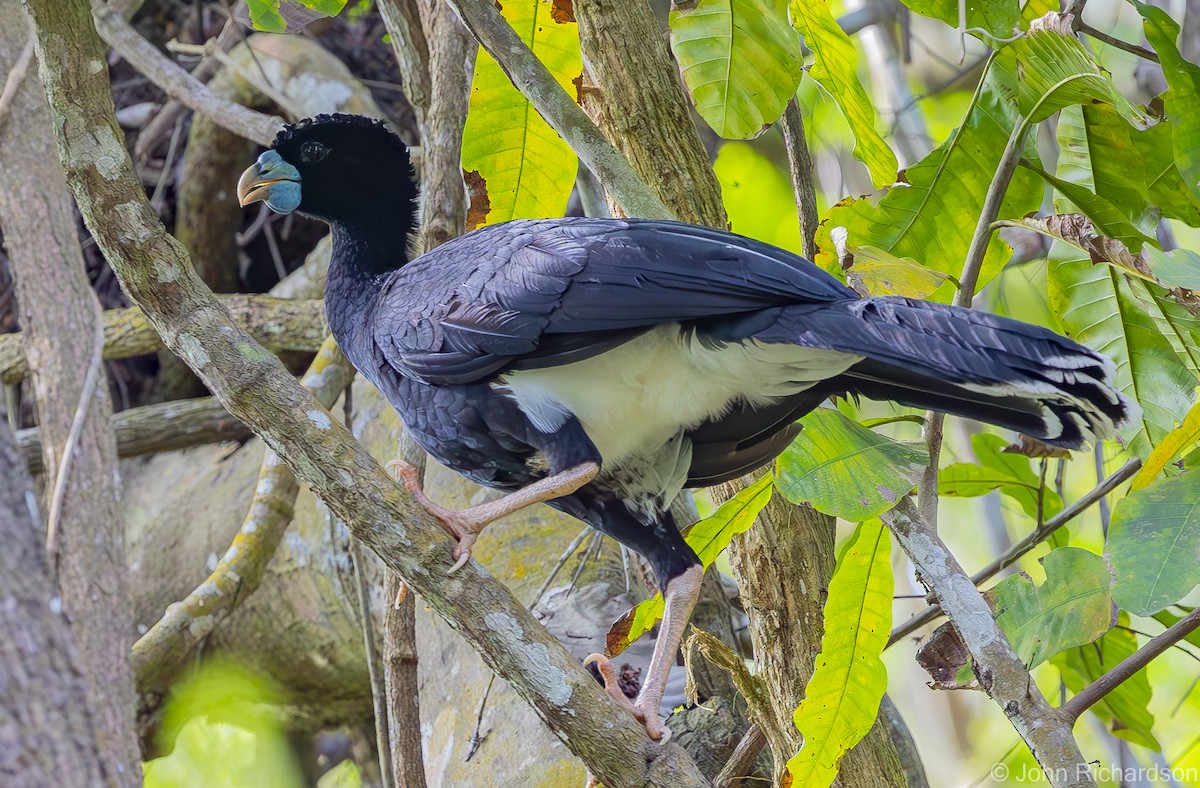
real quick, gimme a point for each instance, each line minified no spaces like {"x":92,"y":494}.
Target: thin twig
{"x":95,"y":364}
{"x":179,"y":84}
{"x":800,"y":163}
{"x":374,"y":664}
{"x":1022,"y":547}
{"x":1126,"y":668}
{"x":1113,"y":41}
{"x":558,"y":108}
{"x":15,"y":77}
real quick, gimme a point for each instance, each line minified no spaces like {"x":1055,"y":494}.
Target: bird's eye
{"x":312,"y":151}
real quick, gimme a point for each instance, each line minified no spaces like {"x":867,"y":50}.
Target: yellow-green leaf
{"x":708,"y":538}
{"x":844,"y":469}
{"x":836,"y":69}
{"x":528,"y":169}
{"x":877,"y":272}
{"x":740,"y":60}
{"x":842,"y":698}
{"x":998,"y":17}
{"x":1171,"y":445}
{"x":1072,"y":607}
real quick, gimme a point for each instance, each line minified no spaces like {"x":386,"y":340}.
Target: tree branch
{"x":1039,"y":535}
{"x":1126,"y":668}
{"x":179,"y":84}
{"x":558,"y":108}
{"x":1000,"y":671}
{"x":278,"y":323}
{"x":164,"y":426}
{"x":253,"y":385}
{"x":800,"y":163}
{"x":159,"y":654}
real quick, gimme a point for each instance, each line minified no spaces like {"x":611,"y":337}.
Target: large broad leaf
{"x":740,"y":61}
{"x":1049,"y":69}
{"x":1178,"y":323}
{"x":1183,"y":79}
{"x":708,"y":538}
{"x":1073,"y":606}
{"x":1097,"y":306}
{"x":1008,"y":472}
{"x":998,"y":17}
{"x":836,"y":69}
{"x":1134,"y":170}
{"x":1175,"y":442}
{"x":842,"y":698}
{"x":1126,"y":708}
{"x":526,"y":168}
{"x":846,"y":470}
{"x":1154,"y":544}
{"x":932,"y":216}
{"x":1176,"y":268}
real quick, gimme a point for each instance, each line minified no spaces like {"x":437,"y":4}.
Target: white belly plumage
{"x":634,"y":399}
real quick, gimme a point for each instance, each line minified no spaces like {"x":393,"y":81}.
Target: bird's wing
{"x":541,"y":293}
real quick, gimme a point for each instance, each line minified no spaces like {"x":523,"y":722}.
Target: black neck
{"x":364,"y":253}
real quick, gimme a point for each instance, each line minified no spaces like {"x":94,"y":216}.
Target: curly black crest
{"x":288,"y":132}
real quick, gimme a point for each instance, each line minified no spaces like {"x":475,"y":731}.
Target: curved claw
{"x":460,"y":563}
{"x":647,"y":717}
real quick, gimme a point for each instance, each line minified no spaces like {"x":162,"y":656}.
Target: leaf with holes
{"x":836,"y":69}
{"x":740,"y":60}
{"x":527,"y":168}
{"x":1072,"y":607}
{"x":1181,"y":100}
{"x":1078,"y":231}
{"x":1154,"y":544}
{"x":846,"y":470}
{"x":842,"y":698}
{"x":708,"y":538}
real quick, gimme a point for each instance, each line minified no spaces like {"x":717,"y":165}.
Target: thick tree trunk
{"x":46,"y":733}
{"x":61,"y":317}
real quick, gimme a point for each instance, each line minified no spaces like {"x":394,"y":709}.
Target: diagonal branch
{"x":1126,"y":668}
{"x":253,"y":385}
{"x":1039,"y":535}
{"x":558,"y":108}
{"x":1001,"y":672}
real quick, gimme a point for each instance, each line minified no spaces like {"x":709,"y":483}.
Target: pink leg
{"x":680,"y":597}
{"x":465,"y":525}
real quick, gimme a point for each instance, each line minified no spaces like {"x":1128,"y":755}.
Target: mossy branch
{"x":278,"y":323}
{"x":253,"y":385}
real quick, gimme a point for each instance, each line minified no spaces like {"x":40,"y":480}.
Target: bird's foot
{"x":463,"y":528}
{"x":648,"y":717}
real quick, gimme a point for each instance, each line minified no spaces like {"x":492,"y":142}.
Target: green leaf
{"x":1178,"y":323}
{"x":1098,"y":307}
{"x":758,"y":197}
{"x":845,"y":469}
{"x":1134,"y":170}
{"x":1108,"y":220}
{"x":1126,"y":708}
{"x":1176,"y":440}
{"x":1048,"y":69}
{"x":836,"y":69}
{"x":998,"y":17}
{"x":1180,"y":102}
{"x":999,"y":470}
{"x":932,"y":216}
{"x":290,"y":16}
{"x":876,"y":272}
{"x":526,"y":168}
{"x":1176,"y":268}
{"x":708,"y":538}
{"x":1154,"y":544}
{"x":740,"y":60}
{"x":1073,"y":606}
{"x":842,"y":698}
